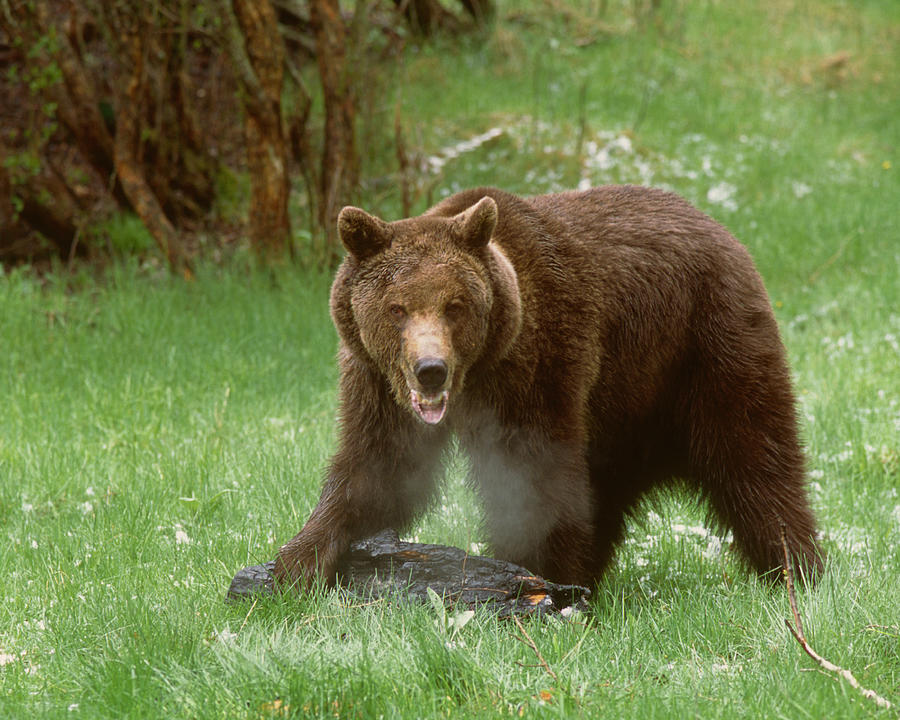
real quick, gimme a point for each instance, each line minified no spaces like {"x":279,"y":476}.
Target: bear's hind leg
{"x":746,"y":456}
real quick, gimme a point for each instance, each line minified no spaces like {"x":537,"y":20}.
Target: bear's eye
{"x":398,"y":312}
{"x":454,"y":309}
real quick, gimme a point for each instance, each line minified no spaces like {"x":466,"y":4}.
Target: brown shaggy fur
{"x":583,"y":347}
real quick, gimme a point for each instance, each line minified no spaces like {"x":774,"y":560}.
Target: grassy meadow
{"x":157,"y":435}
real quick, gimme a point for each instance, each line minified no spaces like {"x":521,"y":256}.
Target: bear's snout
{"x":431,"y":372}
{"x":429,"y":364}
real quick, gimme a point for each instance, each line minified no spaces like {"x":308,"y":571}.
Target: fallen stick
{"x":534,"y":647}
{"x":800,"y":636}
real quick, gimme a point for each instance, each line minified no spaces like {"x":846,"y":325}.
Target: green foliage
{"x":158,"y":435}
{"x":448,"y":624}
{"x":232,"y":193}
{"x":40,"y":73}
{"x":123,"y":233}
{"x":43,"y":72}
{"x":23,"y":164}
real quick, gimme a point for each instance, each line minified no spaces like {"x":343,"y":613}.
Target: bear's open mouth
{"x":430,"y":408}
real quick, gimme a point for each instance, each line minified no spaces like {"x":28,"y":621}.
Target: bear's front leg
{"x":382,"y":476}
{"x":364,"y":493}
{"x":317,"y":548}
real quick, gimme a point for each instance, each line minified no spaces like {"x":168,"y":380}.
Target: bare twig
{"x":247,"y":617}
{"x":403,"y":162}
{"x":534,"y":647}
{"x":889,"y":630}
{"x":797,"y":632}
{"x":817,"y":273}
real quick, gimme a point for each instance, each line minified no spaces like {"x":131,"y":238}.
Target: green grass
{"x":156,"y":435}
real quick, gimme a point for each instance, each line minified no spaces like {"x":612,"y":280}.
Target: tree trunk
{"x":420,"y":14}
{"x":257,"y":52}
{"x":339,"y":171}
{"x":480,"y":10}
{"x":177,"y":164}
{"x":129,"y":169}
{"x":425,"y":17}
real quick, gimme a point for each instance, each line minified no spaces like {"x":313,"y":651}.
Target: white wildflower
{"x":437,"y":162}
{"x":713,"y":547}
{"x":226,"y":636}
{"x":723,"y":194}
{"x":801,"y":189}
{"x":697,"y":530}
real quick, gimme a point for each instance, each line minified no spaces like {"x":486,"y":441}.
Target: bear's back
{"x":624,"y":280}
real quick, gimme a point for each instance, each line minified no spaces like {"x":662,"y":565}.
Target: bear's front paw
{"x":299,"y":569}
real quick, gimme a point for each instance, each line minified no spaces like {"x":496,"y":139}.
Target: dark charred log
{"x":383,"y":566}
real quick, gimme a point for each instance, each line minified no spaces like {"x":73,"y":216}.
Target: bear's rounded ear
{"x":476,"y":225}
{"x":363,"y":235}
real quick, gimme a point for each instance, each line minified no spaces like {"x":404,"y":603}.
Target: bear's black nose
{"x":431,"y":373}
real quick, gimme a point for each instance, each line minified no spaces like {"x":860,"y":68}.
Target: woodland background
{"x":114,"y":106}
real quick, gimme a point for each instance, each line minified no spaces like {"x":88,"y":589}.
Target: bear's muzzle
{"x":431,"y":409}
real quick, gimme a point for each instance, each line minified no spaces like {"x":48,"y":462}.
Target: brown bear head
{"x":424,"y":299}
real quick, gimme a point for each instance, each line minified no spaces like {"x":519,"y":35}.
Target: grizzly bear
{"x":583,"y":348}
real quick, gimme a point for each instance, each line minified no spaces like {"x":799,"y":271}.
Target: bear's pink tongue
{"x":431,"y":410}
